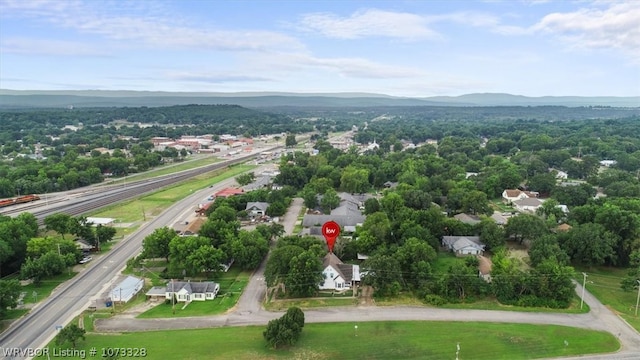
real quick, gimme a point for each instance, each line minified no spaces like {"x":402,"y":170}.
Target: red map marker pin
{"x":330,"y":230}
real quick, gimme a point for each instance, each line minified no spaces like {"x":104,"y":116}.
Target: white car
{"x":86,"y":259}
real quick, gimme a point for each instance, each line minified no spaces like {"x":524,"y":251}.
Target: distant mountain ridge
{"x":107,"y":98}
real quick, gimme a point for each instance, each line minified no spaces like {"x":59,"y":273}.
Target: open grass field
{"x":604,"y":283}
{"x":370,"y":340}
{"x":153,"y":204}
{"x":231,"y":285}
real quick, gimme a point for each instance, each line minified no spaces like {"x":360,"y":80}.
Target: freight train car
{"x":19,"y":200}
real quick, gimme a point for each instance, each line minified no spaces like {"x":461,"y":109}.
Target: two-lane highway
{"x":38,"y":327}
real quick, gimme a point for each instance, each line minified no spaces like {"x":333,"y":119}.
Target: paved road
{"x":38,"y":327}
{"x":250,"y":301}
{"x":250,"y":312}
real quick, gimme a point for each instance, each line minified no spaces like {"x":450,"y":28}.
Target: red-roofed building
{"x":228,"y":192}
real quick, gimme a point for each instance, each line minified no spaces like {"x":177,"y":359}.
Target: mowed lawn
{"x":232,"y":283}
{"x":604,"y":283}
{"x":371,"y":340}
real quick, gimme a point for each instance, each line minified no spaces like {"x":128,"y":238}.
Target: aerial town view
{"x":280,"y":179}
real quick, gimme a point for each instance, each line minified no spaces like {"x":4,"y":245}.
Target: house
{"x":348,"y":214}
{"x":228,"y":192}
{"x":527,"y":205}
{"x":467,"y":218}
{"x":499,"y":218}
{"x":256,"y":209}
{"x":126,"y":289}
{"x":463,"y":245}
{"x":511,"y":195}
{"x":338,"y":276}
{"x":187,"y":291}
{"x":484,"y":268}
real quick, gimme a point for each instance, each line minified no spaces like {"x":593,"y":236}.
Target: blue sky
{"x":403,"y":48}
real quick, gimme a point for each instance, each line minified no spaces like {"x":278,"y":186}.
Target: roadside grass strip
{"x":369,"y":340}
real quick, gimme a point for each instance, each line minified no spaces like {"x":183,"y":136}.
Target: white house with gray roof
{"x":337,"y":275}
{"x":463,"y":245}
{"x":187,"y":291}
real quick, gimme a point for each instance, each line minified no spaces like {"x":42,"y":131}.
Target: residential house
{"x":499,"y":218}
{"x":511,"y":195}
{"x":348,"y":214}
{"x":256,"y":209}
{"x":187,"y":291}
{"x":463,"y":245}
{"x":338,"y":276}
{"x":527,"y":205}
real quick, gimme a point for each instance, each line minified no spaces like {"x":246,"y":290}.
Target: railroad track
{"x":97,"y":198}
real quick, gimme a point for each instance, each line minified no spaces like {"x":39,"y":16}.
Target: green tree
{"x":44,"y":266}
{"x":384,"y":274}
{"x":310,"y":197}
{"x":415,"y":257}
{"x":305,"y":274}
{"x":58,"y":222}
{"x":630,"y":282}
{"x":245,"y":179}
{"x":545,"y":248}
{"x":286,"y":329}
{"x":476,"y":202}
{"x":526,"y":227}
{"x":295,"y":315}
{"x":590,"y":244}
{"x":105,"y":233}
{"x":330,"y":200}
{"x":491,"y":234}
{"x":355,"y":180}
{"x":70,"y":334}
{"x":248,"y":249}
{"x":279,"y":263}
{"x":290,"y":141}
{"x":9,"y":294}
{"x":156,"y":244}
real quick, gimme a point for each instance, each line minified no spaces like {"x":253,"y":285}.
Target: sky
{"x":412,"y":48}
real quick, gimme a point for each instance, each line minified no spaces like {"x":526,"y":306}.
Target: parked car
{"x":86,"y":259}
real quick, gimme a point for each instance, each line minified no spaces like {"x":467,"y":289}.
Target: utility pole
{"x":638,"y":298}
{"x":584,"y":283}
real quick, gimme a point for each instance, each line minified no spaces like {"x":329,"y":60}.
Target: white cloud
{"x":20,"y":45}
{"x":148,"y":28}
{"x":372,"y":22}
{"x":614,"y":27}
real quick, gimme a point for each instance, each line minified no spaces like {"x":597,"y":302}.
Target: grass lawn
{"x":604,"y":283}
{"x":45,"y":287}
{"x":284,"y":304}
{"x":231,"y":285}
{"x":444,"y":261}
{"x":371,"y":340}
{"x":153,"y":204}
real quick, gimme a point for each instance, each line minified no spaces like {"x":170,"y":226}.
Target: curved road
{"x":249,"y":312}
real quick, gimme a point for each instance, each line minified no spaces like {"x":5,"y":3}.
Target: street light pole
{"x":584,"y":283}
{"x":638,"y":298}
